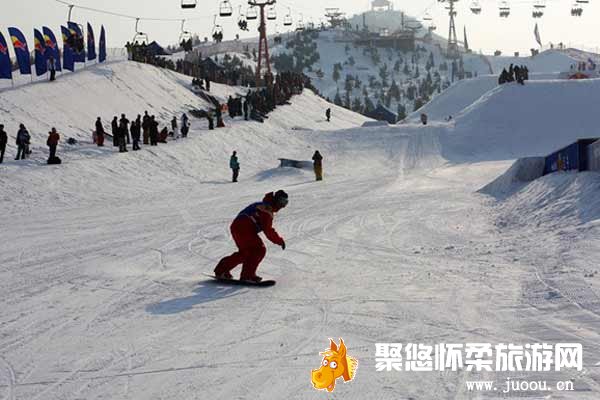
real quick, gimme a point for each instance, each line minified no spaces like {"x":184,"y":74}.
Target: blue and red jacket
{"x":261,"y":214}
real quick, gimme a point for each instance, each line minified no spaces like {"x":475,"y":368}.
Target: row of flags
{"x":46,"y":48}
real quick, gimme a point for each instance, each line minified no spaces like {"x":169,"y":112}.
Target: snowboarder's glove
{"x":283,"y":246}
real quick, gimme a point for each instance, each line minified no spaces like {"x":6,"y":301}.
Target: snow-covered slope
{"x":103,"y":256}
{"x":73,"y":102}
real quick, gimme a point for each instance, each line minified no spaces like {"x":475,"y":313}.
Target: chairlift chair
{"x":217,"y":32}
{"x":287,"y":20}
{"x":225,"y":9}
{"x":272,"y":13}
{"x":242,"y":21}
{"x":252,"y":13}
{"x":504,"y":9}
{"x":476,"y":8}
{"x":139,"y":36}
{"x":188,"y":4}
{"x":184,"y":35}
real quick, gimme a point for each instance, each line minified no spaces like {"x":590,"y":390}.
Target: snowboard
{"x":237,"y":282}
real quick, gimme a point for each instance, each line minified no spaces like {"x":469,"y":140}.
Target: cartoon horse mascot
{"x":336,"y":363}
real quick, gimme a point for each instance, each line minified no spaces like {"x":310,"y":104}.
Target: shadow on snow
{"x":206,"y":292}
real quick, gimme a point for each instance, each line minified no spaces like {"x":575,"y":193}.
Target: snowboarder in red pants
{"x":255,"y":218}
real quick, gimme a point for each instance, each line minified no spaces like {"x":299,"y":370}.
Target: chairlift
{"x":242,"y":21}
{"x":225,"y":9}
{"x":504,"y":9}
{"x":272,"y":13}
{"x":252,"y":13}
{"x":300,"y":24}
{"x":287,"y":20}
{"x":538,"y":9}
{"x":576,"y":10}
{"x":476,"y":8}
{"x":188,"y":4}
{"x":217,"y":32}
{"x":185,"y":38}
{"x":427,"y":17}
{"x":139,"y":36}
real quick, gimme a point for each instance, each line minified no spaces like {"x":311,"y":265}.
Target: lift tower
{"x":264,"y":62}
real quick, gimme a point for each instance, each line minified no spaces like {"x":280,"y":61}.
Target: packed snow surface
{"x":103,"y":292}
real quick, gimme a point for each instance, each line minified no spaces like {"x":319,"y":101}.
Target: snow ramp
{"x":513,"y":121}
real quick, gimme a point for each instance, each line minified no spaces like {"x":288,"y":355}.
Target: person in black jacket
{"x":123,"y":134}
{"x":99,"y":132}
{"x":3,"y":141}
{"x":115,"y":131}
{"x":136,"y":131}
{"x":153,"y":131}
{"x":146,"y":128}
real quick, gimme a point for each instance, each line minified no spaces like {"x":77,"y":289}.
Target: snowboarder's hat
{"x":281,"y":199}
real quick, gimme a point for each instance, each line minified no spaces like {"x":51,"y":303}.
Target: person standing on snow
{"x":174,"y":128}
{"x":245,"y":108}
{"x":318,"y":165}
{"x":185,"y":125}
{"x":123,"y":134}
{"x":99,"y":132}
{"x":146,"y":128}
{"x":3,"y":142}
{"x":255,"y":218}
{"x":23,"y":140}
{"x":52,"y":68}
{"x":153,"y":131}
{"x":136,"y":132}
{"x":52,"y":142}
{"x":328,"y":114}
{"x":234,"y":164}
{"x":115,"y":131}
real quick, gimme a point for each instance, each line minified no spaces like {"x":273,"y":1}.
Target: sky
{"x":487,"y":32}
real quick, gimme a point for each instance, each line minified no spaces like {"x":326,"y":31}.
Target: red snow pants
{"x":251,"y":249}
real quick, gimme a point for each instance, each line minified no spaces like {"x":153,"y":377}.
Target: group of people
{"x":23,"y":141}
{"x":520,"y":74}
{"x":144,"y":129}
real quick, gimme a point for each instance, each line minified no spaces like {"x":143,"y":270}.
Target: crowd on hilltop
{"x":143,"y":129}
{"x":257,"y":104}
{"x":515,"y":73}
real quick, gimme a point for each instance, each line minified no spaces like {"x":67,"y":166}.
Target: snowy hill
{"x":514,"y":121}
{"x":103,"y":257}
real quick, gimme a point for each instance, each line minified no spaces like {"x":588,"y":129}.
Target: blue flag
{"x":41,"y":61}
{"x":5,"y":66}
{"x":52,"y":47}
{"x":91,"y":43}
{"x":21,"y":50}
{"x":102,"y":45}
{"x":78,"y":44}
{"x":68,"y":60}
